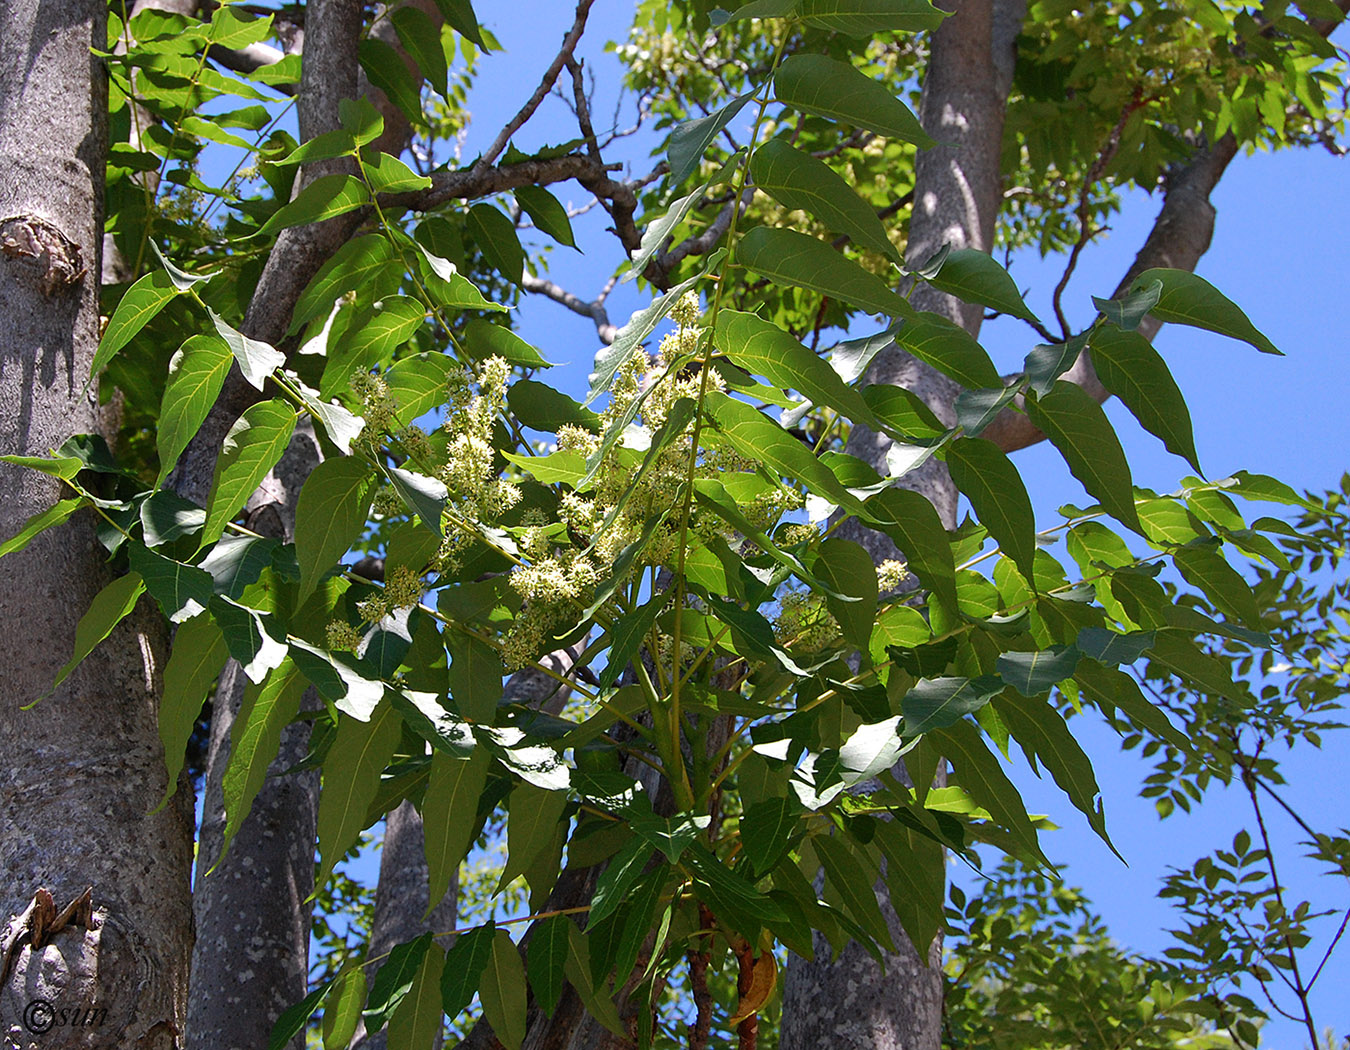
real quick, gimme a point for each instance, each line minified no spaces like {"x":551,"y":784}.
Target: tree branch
{"x":555,"y":67}
{"x":595,"y":309}
{"x":1180,"y":236}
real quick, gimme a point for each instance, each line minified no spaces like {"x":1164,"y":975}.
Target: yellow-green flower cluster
{"x":804,"y":621}
{"x":891,"y":574}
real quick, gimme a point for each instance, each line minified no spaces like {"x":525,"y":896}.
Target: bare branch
{"x":595,"y":309}
{"x":470,"y":183}
{"x":1180,"y":236}
{"x":1085,"y":232}
{"x":555,"y":67}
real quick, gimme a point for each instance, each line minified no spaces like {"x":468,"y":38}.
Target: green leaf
{"x":109,"y":608}
{"x":449,"y":811}
{"x":658,"y":229}
{"x":628,"y":635}
{"x":249,"y":638}
{"x":979,"y":773}
{"x":197,"y":658}
{"x":903,"y":411}
{"x":976,"y":409}
{"x":578,"y":969}
{"x":1127,"y":311}
{"x":475,"y":677}
{"x":182,"y":591}
{"x":464,"y":965}
{"x":1041,"y":732}
{"x":394,"y":980}
{"x":294,"y":1018}
{"x":39,"y":523}
{"x":828,"y":88}
{"x":936,"y":703}
{"x":864,"y":18}
{"x":421,"y":38}
{"x":1191,"y":300}
{"x":373,"y":337}
{"x":417,"y":384}
{"x":617,"y":879}
{"x":63,"y":467}
{"x":1111,"y":647}
{"x":496,"y":235}
{"x":330,"y":516}
{"x":671,"y":835}
{"x":689,"y":141}
{"x":1132,"y":370}
{"x":753,"y":9}
{"x":545,"y":960}
{"x":798,"y":180}
{"x":1202,"y":566}
{"x":340,"y":425}
{"x":950,"y":349}
{"x":847,"y":569}
{"x":460,"y":17}
{"x":608,"y":360}
{"x":534,"y":816}
{"x":763,"y":348}
{"x":353,"y":266}
{"x":916,"y":877}
{"x":351,"y":778}
{"x":1034,"y":673}
{"x":540,"y":407}
{"x":340,"y":1016}
{"x":1077,"y":426}
{"x":417,"y":1022}
{"x":237,"y":561}
{"x":797,"y":260}
{"x":196,"y":373}
{"x":386,"y":71}
{"x":484,"y":339}
{"x":974,"y":276}
{"x":325,"y":197}
{"x":768,"y":829}
{"x":914,"y":526}
{"x":387,"y":174}
{"x":547,"y":212}
{"x":257,"y":360}
{"x":1262,"y":487}
{"x":142,"y":301}
{"x":1110,"y":688}
{"x":1048,"y":362}
{"x":426,"y":496}
{"x":503,"y":992}
{"x":994,"y":487}
{"x":754,"y":435}
{"x":255,"y":739}
{"x":852,"y":880}
{"x":252,"y":448}
{"x":352,"y":684}
{"x":1178,"y":653}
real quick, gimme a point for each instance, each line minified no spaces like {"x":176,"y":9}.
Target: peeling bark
{"x":85,"y":767}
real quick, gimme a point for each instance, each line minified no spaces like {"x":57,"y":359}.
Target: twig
{"x":595,"y":309}
{"x":555,"y":67}
{"x":1104,"y":158}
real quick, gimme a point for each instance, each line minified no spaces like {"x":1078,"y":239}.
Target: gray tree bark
{"x":253,"y":915}
{"x":850,"y":1003}
{"x":85,"y":767}
{"x":401,"y":899}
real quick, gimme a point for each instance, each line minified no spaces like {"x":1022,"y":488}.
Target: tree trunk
{"x":85,"y":767}
{"x":851,"y":1004}
{"x":401,"y":901}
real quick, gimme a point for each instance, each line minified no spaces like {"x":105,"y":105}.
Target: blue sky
{"x":1281,"y":249}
